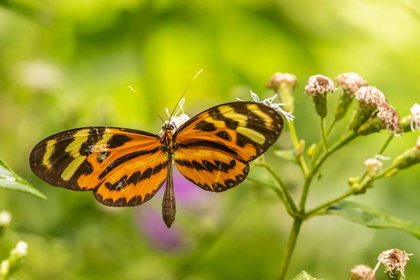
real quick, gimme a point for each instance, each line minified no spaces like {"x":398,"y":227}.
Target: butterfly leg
{"x":168,"y":204}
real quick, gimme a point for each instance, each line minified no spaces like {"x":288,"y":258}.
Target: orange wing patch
{"x":133,"y":182}
{"x":245,"y":130}
{"x":80,"y":159}
{"x":210,"y":169}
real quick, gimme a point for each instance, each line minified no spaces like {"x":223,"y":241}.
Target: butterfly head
{"x":168,"y":126}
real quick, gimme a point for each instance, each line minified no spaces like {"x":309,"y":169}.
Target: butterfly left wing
{"x":213,"y":149}
{"x":123,"y":167}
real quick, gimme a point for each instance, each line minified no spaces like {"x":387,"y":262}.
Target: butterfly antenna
{"x":145,"y":101}
{"x":184,"y":93}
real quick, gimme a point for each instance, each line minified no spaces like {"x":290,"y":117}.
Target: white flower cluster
{"x":21,"y":249}
{"x":374,"y":165}
{"x":5,"y":218}
{"x":371,"y":95}
{"x":415,"y":117}
{"x":390,"y":118}
{"x":394,"y":260}
{"x":319,"y":85}
{"x":351,"y":82}
{"x":281,"y":79}
{"x":270,"y":103}
{"x":362,"y":272}
{"x":175,"y":119}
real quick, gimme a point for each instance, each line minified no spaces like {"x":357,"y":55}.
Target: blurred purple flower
{"x":150,"y":224}
{"x":189,"y":198}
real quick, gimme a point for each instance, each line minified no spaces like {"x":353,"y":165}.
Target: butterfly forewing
{"x":213,"y":148}
{"x":116,"y":163}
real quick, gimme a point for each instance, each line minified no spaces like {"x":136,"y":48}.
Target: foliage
{"x":9,"y":180}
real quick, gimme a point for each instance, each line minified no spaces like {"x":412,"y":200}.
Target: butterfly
{"x":126,"y":167}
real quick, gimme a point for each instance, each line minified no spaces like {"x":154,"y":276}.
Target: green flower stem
{"x":350,"y":136}
{"x":317,"y":210}
{"x":385,"y":145}
{"x":289,"y":202}
{"x":280,"y":194}
{"x":364,"y":184}
{"x":304,"y":195}
{"x":322,"y":142}
{"x":331,"y":126}
{"x":346,"y":139}
{"x":284,"y":265}
{"x":324,"y":134}
{"x":308,"y":175}
{"x":296,"y":145}
{"x":388,"y":171}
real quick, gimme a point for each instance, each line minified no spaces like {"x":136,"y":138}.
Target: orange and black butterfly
{"x":126,"y":167}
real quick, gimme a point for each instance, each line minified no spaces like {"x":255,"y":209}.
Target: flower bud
{"x":353,"y":181}
{"x":373,"y":166}
{"x":270,"y":103}
{"x":15,"y":260}
{"x":415,"y":117}
{"x":4,"y":269}
{"x":408,"y":158}
{"x":370,"y":98}
{"x":318,"y":86}
{"x":5,"y":219}
{"x":373,"y":125}
{"x":386,"y":118}
{"x":284,"y":84}
{"x":394,"y":261}
{"x":349,"y":84}
{"x":20,"y":251}
{"x":406,"y":124}
{"x":362,"y":272}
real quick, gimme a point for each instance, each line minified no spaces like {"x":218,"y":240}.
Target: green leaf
{"x":372,"y":217}
{"x":304,"y":276}
{"x":261,"y":176}
{"x":287,"y":155}
{"x":10,"y":180}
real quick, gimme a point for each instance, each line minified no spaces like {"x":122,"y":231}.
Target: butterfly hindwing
{"x":101,"y":159}
{"x":213,"y":148}
{"x":209,"y":169}
{"x":135,"y":182}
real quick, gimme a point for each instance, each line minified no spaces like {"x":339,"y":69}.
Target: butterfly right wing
{"x":123,"y":167}
{"x":213,"y":149}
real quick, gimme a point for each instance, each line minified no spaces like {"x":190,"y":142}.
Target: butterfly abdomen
{"x":168,"y":203}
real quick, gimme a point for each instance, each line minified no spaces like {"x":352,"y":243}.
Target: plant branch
{"x":316,"y":210}
{"x":324,"y":133}
{"x":316,"y":167}
{"x":285,"y":191}
{"x":284,"y":265}
{"x":296,"y":145}
{"x":346,"y":139}
{"x":324,"y":137}
{"x":331,"y":126}
{"x":304,"y":194}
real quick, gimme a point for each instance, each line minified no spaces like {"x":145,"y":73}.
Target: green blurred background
{"x":68,"y":64}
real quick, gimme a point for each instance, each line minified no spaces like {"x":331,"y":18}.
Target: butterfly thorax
{"x":166,"y":138}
